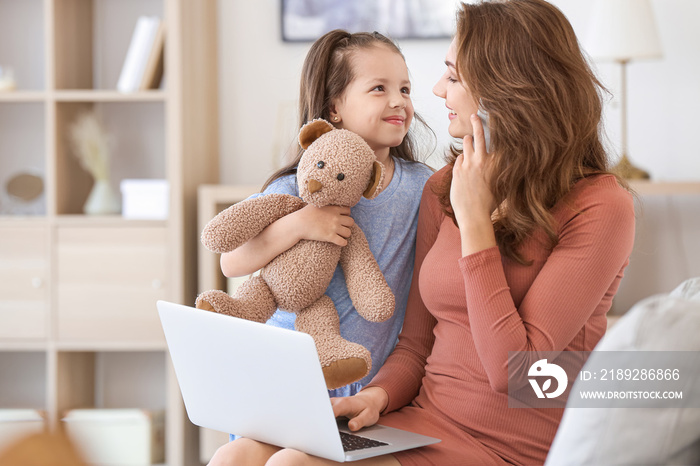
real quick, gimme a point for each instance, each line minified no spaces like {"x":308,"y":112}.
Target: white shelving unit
{"x":78,"y":324}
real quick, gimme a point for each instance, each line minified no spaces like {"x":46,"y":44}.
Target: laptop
{"x":265,"y":383}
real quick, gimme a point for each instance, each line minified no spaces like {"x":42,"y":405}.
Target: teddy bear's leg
{"x":343,"y":362}
{"x":252,"y":300}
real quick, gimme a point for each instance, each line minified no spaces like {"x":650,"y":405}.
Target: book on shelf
{"x":153,"y":71}
{"x":143,"y":65}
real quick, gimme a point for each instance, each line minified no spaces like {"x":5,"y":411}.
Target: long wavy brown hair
{"x":521,"y":60}
{"x":327,"y":71}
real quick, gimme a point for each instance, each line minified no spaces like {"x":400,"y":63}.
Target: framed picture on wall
{"x":306,"y":20}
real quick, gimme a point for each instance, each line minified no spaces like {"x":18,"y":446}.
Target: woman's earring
{"x":336,"y":118}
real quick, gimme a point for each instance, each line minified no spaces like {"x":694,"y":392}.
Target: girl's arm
{"x":401,"y":375}
{"x":330,"y":223}
{"x":398,"y":381}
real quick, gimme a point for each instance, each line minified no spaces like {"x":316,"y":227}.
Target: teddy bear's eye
{"x":321,"y":164}
{"x":340,"y":177}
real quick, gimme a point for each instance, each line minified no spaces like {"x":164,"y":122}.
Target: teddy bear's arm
{"x":367,"y":287}
{"x":242,"y":221}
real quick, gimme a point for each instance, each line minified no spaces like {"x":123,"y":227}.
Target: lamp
{"x":621,"y":31}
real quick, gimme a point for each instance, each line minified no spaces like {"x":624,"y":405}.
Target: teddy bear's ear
{"x":312,"y":131}
{"x":374,"y":186}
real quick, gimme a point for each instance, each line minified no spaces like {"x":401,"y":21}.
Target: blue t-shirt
{"x":389,"y":222}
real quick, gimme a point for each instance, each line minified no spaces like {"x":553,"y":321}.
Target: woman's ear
{"x":374,"y":187}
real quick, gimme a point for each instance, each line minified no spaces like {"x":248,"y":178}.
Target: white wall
{"x":259,"y":83}
{"x":259,"y":73}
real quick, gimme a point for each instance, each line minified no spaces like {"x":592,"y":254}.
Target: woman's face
{"x":458,"y":99}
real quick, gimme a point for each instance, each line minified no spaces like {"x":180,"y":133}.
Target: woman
{"x":520,"y":248}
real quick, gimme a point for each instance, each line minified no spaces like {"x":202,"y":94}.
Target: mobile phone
{"x":484,"y":117}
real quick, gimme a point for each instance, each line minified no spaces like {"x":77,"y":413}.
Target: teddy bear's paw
{"x":380,"y":310}
{"x":345,"y":371}
{"x":215,"y":301}
{"x":376,"y":306}
{"x":343,"y":362}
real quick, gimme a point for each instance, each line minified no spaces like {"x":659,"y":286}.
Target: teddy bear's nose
{"x":314,"y":186}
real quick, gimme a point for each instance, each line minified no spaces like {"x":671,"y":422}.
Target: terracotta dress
{"x":448,"y":376}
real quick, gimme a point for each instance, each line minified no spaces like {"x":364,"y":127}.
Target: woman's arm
{"x":594,"y":246}
{"x":579,"y":277}
{"x":471,"y":199}
{"x":330,"y":223}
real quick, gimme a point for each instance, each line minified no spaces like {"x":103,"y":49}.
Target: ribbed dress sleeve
{"x":402,"y":373}
{"x":595,"y":241}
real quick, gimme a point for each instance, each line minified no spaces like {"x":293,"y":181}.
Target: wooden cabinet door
{"x":108,"y":281}
{"x":23,"y":282}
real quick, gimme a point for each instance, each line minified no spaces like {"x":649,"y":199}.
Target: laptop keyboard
{"x":352,"y":442}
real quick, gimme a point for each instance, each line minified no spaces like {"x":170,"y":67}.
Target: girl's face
{"x":377,"y":103}
{"x":458,"y":99}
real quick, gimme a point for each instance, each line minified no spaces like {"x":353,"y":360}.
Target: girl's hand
{"x":330,"y":223}
{"x":470,"y":196}
{"x":362,"y":409}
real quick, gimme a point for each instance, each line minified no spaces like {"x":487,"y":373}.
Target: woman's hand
{"x":329,"y":223}
{"x":362,"y":409}
{"x":470,"y":196}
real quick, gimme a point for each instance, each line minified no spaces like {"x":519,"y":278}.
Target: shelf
{"x":22,"y":346}
{"x":105,"y":221}
{"x":109,"y":96}
{"x":23,"y":96}
{"x":22,"y":43}
{"x":665,"y":188}
{"x":84,"y":95}
{"x":22,"y":151}
{"x":23,"y":381}
{"x":79,"y":220}
{"x":111,"y":380}
{"x":137,"y":130}
{"x":21,"y":220}
{"x":91,"y":39}
{"x":107,"y":346}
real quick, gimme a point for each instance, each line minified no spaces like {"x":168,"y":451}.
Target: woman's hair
{"x":327,"y":72}
{"x":522,"y":63}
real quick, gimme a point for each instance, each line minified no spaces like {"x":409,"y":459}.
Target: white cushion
{"x":639,"y":436}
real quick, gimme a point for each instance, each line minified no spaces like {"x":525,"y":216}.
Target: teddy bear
{"x":337,"y":168}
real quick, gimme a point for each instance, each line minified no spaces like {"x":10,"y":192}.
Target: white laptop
{"x":264,"y":383}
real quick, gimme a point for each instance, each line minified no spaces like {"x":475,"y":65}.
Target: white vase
{"x":102,"y":200}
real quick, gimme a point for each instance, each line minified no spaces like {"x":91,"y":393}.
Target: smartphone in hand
{"x":484,"y":117}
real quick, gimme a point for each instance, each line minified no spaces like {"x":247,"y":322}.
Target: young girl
{"x":358,"y":82}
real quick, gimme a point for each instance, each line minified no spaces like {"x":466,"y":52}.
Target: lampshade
{"x":622,"y":30}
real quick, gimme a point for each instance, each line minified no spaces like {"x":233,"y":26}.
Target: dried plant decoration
{"x":91,"y":145}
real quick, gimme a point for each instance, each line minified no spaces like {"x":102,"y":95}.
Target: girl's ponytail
{"x":314,"y":92}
